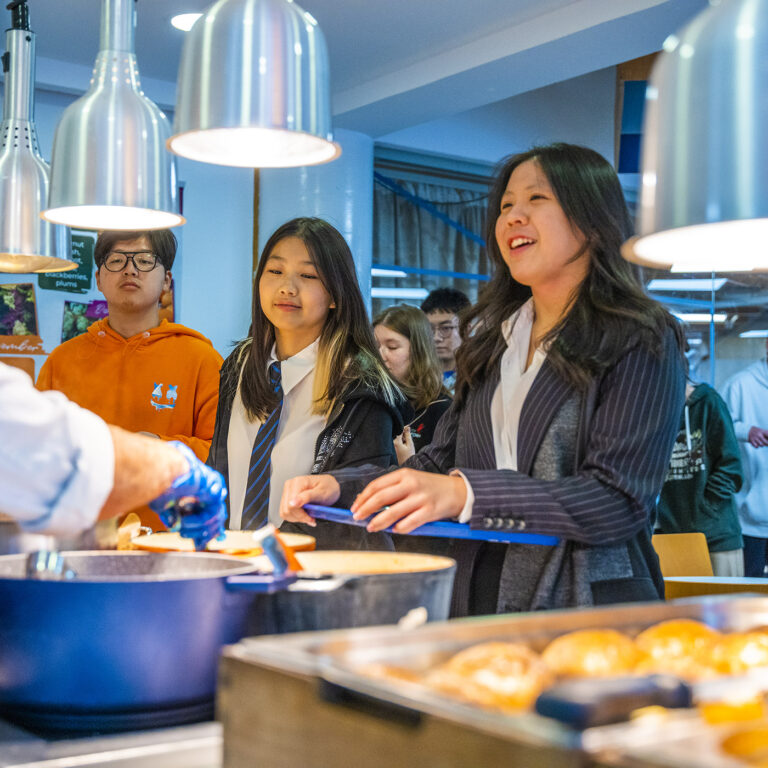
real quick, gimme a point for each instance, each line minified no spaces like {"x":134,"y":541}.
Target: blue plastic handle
{"x":444,"y":529}
{"x":263,"y":583}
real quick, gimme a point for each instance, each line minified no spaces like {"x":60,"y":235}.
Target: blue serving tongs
{"x":443,"y":529}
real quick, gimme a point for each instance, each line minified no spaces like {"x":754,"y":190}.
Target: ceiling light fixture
{"x":253,"y":88}
{"x":761,"y":333}
{"x":387,"y":272}
{"x":399,"y":293}
{"x":110,"y":168}
{"x":688,"y":284}
{"x":185,"y":21}
{"x":704,"y":191}
{"x":701,"y":317}
{"x":27,"y":243}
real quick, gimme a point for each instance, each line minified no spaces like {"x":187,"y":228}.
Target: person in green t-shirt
{"x":704,"y":475}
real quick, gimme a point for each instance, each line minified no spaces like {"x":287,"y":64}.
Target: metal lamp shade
{"x":110,"y":168}
{"x":704,"y":198}
{"x":253,"y":88}
{"x":27,"y":243}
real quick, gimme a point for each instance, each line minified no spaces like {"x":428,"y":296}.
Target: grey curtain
{"x":405,"y":234}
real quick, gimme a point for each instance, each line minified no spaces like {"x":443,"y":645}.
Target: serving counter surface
{"x":307,"y":699}
{"x":189,"y":746}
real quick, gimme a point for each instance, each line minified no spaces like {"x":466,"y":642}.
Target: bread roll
{"x":737,"y":653}
{"x":591,"y":653}
{"x":679,"y":647}
{"x":507,"y":676}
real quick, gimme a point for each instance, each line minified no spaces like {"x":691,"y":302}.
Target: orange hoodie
{"x":164,"y":381}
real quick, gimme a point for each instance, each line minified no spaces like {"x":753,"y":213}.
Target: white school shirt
{"x":57,"y":460}
{"x":514,"y":384}
{"x":297,"y":432}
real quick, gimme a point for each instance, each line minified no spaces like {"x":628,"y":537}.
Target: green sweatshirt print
{"x":704,"y":474}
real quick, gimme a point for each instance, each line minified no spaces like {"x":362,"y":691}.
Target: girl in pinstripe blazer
{"x":569,"y":393}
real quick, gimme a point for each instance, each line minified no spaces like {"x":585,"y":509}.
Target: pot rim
{"x":231,"y":566}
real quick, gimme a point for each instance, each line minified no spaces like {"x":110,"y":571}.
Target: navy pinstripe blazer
{"x":610,"y":498}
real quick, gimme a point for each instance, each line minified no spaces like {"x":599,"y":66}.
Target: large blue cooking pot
{"x":134,"y":640}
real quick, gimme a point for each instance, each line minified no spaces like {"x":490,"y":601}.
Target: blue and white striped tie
{"x":256,"y":504}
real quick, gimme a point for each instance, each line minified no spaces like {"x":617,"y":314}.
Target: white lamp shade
{"x":704,"y":196}
{"x":110,"y":168}
{"x":253,"y":88}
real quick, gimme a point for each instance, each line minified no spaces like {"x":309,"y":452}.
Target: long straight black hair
{"x":347,"y":353}
{"x":609,"y":311}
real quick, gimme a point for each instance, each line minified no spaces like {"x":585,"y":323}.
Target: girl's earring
{"x":333,"y":305}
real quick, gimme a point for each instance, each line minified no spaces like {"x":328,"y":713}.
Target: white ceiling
{"x":394,"y":63}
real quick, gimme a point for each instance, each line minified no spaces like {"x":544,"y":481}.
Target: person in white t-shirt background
{"x":746,"y":394}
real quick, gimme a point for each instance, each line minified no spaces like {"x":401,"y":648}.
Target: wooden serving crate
{"x":308,"y":700}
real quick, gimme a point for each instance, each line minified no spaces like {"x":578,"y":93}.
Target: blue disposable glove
{"x":194,"y":505}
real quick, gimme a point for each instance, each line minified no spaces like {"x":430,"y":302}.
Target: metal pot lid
{"x":113,"y":566}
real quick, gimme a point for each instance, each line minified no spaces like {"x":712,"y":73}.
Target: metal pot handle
{"x":268,"y":583}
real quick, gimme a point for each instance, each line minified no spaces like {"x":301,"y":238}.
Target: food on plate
{"x":749,"y":744}
{"x":355,"y":562}
{"x":732,"y":710}
{"x":233,"y":543}
{"x":739,"y":652}
{"x":507,"y":676}
{"x":591,"y":653}
{"x":679,"y":647}
{"x":510,"y":675}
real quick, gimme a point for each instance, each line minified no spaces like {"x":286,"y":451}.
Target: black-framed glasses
{"x":443,"y":331}
{"x":144,"y":261}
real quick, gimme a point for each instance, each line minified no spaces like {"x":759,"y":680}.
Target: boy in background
{"x":442,"y":308}
{"x":131,"y":369}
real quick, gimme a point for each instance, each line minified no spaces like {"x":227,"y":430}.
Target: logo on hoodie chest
{"x":162,"y":399}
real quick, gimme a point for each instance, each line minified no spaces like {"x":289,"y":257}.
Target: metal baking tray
{"x":338,"y":659}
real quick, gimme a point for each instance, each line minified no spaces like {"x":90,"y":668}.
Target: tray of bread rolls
{"x":656,"y":684}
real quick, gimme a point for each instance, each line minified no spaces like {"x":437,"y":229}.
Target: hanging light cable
{"x":27,"y":244}
{"x":110,"y":168}
{"x":704,"y":196}
{"x":253,"y":88}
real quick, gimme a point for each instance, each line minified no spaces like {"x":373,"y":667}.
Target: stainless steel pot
{"x":14,"y":539}
{"x":134,"y":640}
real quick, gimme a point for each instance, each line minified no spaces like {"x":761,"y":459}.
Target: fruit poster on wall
{"x":79,"y":315}
{"x":18,"y":320}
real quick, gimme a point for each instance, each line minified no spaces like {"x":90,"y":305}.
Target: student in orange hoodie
{"x":130,"y":368}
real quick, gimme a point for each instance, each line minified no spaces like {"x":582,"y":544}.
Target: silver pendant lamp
{"x":704,"y":196}
{"x":27,"y":243}
{"x":110,"y":168}
{"x":253,"y":88}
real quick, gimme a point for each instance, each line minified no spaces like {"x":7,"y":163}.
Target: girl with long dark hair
{"x":570,"y":387}
{"x":307,"y":390}
{"x":408,"y":350}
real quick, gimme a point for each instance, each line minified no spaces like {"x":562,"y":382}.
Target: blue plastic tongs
{"x":443,"y":529}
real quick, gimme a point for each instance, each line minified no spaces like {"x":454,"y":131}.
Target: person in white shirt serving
{"x":62,"y":468}
{"x":307,"y":391}
{"x":569,"y":392}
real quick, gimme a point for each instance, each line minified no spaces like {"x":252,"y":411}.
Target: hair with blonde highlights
{"x":424,"y":380}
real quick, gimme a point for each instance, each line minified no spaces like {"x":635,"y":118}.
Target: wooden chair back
{"x":683,"y":554}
